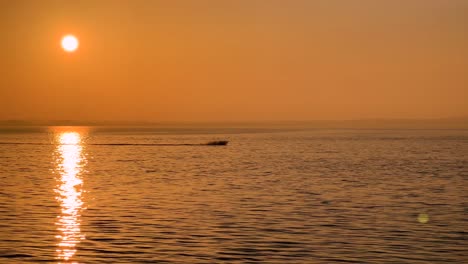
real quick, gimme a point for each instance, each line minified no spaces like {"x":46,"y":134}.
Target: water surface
{"x":319,"y":196}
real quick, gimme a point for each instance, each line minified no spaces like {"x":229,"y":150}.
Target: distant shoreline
{"x":443,"y":123}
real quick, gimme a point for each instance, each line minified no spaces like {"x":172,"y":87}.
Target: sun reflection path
{"x":69,"y":164}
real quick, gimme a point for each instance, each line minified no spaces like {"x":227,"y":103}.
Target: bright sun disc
{"x":69,"y":43}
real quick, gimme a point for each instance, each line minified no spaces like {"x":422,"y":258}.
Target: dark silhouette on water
{"x":211,"y":143}
{"x":217,"y":143}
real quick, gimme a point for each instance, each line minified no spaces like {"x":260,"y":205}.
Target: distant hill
{"x":441,"y":123}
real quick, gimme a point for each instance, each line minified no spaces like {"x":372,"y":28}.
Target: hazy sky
{"x":234,"y":60}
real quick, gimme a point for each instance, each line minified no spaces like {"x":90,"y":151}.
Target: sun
{"x":70,"y":43}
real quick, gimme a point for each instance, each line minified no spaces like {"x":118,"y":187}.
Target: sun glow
{"x":70,"y":138}
{"x":70,"y":43}
{"x":69,"y":190}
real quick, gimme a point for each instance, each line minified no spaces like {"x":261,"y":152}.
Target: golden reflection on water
{"x":69,"y":164}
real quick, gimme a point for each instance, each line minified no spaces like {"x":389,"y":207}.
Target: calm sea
{"x":75,"y":195}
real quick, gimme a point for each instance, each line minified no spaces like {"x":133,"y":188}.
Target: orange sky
{"x":234,"y":60}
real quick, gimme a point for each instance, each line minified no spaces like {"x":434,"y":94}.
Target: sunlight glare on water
{"x":69,"y":190}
